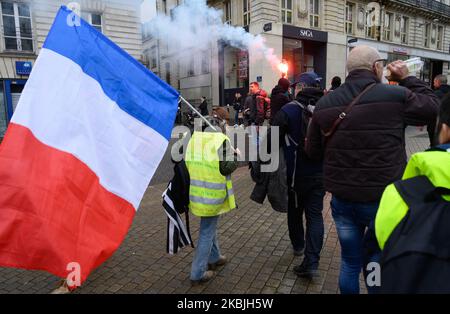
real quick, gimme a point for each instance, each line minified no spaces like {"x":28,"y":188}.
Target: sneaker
{"x":299,"y":252}
{"x":305,"y":271}
{"x":222,"y":261}
{"x":207,"y":276}
{"x":62,"y":288}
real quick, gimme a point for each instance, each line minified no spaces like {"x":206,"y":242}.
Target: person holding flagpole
{"x":210,"y":162}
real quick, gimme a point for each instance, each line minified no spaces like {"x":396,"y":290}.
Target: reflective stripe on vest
{"x":209,"y":185}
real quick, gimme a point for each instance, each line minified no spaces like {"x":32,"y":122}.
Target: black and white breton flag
{"x":178,"y":235}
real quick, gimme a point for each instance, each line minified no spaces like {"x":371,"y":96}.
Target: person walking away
{"x":238,"y":106}
{"x":359,"y":132}
{"x":441,"y":90}
{"x":335,"y":83}
{"x":204,"y":107}
{"x":412,"y":222}
{"x":279,"y":97}
{"x":210,"y":195}
{"x":304,"y":175}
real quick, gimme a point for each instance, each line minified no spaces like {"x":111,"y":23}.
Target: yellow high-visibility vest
{"x":210,"y":193}
{"x":433,"y":164}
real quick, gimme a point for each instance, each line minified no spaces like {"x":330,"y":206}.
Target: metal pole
{"x":196,"y":111}
{"x":206,"y":120}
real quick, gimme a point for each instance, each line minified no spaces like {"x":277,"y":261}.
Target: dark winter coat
{"x":270,"y":184}
{"x":278,"y":99}
{"x":292,"y":122}
{"x":442,"y":91}
{"x":204,"y":108}
{"x":367,"y":151}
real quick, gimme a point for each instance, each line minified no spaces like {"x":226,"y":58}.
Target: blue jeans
{"x":352,"y":219}
{"x":207,"y":247}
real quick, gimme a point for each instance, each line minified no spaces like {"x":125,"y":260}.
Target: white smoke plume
{"x":194,"y":26}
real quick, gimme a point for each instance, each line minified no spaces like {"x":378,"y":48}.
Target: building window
{"x":426,"y":36}
{"x":154,"y":62}
{"x":205,"y":62}
{"x":146,"y":31}
{"x":3,"y":114}
{"x":227,"y":13}
{"x":191,"y":67}
{"x":246,"y":12}
{"x":404,"y":28}
{"x":387,"y":31}
{"x":95,"y":19}
{"x":349,"y":9}
{"x":368,"y":26}
{"x":286,"y":11}
{"x":17,"y":31}
{"x":440,"y":37}
{"x":168,"y":73}
{"x":164,"y":6}
{"x":314,"y":13}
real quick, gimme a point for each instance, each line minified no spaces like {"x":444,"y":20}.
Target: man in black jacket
{"x":203,"y":107}
{"x":304,"y":176}
{"x":441,"y":86}
{"x":279,"y":97}
{"x":238,"y":106}
{"x":441,"y":90}
{"x":367,"y":150}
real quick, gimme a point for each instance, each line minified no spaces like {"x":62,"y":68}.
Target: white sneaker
{"x":62,"y":289}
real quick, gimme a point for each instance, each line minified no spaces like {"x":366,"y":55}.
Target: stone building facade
{"x":310,"y":35}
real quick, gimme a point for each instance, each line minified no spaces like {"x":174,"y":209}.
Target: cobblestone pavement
{"x":253,"y":237}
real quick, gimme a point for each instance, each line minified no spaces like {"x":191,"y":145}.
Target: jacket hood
{"x":433,"y":164}
{"x":309,"y":94}
{"x":278,"y":90}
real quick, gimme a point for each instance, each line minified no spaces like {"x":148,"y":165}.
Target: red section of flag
{"x":53,"y":209}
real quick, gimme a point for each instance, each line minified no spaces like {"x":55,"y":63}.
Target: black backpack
{"x":416,"y":257}
{"x":304,"y":124}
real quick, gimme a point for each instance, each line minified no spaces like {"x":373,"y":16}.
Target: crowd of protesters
{"x":349,"y":141}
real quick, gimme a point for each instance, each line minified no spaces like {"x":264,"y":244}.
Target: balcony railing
{"x":429,"y":5}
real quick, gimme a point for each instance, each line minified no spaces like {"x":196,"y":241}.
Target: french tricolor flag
{"x":91,"y":127}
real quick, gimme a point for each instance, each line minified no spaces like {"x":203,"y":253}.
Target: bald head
{"x":362,"y":58}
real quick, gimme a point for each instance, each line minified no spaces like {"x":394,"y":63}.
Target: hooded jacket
{"x":278,"y":99}
{"x":442,"y":91}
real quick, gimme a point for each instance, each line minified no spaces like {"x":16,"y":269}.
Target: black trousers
{"x":310,"y":193}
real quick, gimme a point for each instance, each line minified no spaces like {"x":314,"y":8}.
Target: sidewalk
{"x":253,"y":237}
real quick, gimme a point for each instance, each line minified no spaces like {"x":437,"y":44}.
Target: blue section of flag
{"x":135,"y":89}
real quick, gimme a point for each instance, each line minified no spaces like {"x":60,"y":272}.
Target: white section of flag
{"x":68,"y":110}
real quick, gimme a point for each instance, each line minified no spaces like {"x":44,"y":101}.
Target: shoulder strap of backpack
{"x":419,"y":190}
{"x":298,"y":104}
